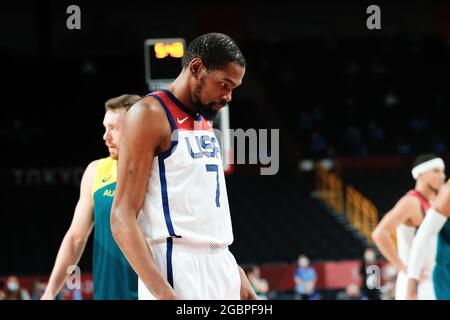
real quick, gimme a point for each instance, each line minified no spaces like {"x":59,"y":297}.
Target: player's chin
{"x":113,"y":153}
{"x":217,"y":107}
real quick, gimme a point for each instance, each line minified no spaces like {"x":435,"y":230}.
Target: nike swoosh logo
{"x":182,"y":120}
{"x":106,"y":179}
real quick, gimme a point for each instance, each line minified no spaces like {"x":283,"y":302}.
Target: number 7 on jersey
{"x":215,"y":168}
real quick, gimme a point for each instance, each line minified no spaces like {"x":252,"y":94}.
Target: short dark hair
{"x":124,"y":101}
{"x":215,"y":50}
{"x":424,"y":158}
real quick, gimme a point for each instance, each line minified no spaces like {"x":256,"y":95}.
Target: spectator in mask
{"x":305,"y":280}
{"x":14,"y":291}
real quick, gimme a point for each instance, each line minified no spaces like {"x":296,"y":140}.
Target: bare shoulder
{"x":87,"y":181}
{"x":92,"y":166}
{"x":408,"y":202}
{"x":406,"y":210}
{"x":147,"y":126}
{"x":148,"y":108}
{"x":89,"y":173}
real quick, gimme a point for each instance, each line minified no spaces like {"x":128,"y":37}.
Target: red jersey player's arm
{"x":405,"y":208}
{"x":74,"y":241}
{"x":146,"y":130}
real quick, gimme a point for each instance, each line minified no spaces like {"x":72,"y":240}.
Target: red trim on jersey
{"x":183,"y":120}
{"x":423,"y":201}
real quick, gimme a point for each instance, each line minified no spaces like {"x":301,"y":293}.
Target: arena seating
{"x":275,"y":220}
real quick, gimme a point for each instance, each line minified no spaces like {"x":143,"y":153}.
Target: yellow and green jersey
{"x":114,"y":279}
{"x":441,"y":273}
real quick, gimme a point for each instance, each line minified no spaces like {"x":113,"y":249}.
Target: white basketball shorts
{"x":196,"y":272}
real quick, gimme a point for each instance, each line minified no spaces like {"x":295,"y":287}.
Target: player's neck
{"x":425,"y":191}
{"x":180,"y":89}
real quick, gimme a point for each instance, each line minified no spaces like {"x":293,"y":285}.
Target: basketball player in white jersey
{"x":170,"y":214}
{"x":404,"y":218}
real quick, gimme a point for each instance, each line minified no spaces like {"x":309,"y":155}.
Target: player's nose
{"x":227,"y":97}
{"x":106,"y":135}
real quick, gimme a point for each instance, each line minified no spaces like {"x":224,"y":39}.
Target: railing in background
{"x":360,"y":211}
{"x":330,"y":188}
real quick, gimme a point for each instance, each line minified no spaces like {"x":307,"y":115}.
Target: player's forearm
{"x":131,"y":241}
{"x":384,"y":243}
{"x":69,"y":254}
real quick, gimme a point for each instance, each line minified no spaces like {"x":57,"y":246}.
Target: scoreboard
{"x":163,"y":61}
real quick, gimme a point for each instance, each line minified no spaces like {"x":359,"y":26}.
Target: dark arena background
{"x":354,"y":106}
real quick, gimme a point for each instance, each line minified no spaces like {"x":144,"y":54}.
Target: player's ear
{"x":196,"y":67}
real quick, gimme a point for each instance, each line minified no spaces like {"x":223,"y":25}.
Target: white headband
{"x":436,"y":163}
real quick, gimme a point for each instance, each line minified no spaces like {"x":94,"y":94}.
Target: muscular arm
{"x":402,"y":211}
{"x":430,"y":227}
{"x":145,"y":131}
{"x":74,"y":241}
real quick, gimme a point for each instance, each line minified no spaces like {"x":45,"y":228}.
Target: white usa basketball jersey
{"x":187,"y":195}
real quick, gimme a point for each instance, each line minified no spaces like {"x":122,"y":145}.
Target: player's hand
{"x":48,"y":296}
{"x":168,"y":296}
{"x":247,"y":292}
